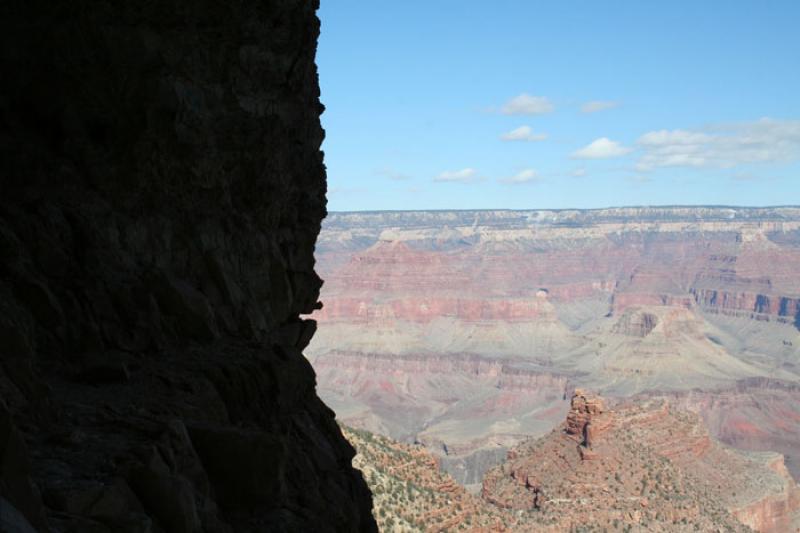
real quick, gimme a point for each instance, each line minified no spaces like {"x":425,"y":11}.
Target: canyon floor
{"x":467,"y":332}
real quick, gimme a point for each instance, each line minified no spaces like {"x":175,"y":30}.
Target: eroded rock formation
{"x":586,"y":410}
{"x":654,"y":467}
{"x":162,"y":190}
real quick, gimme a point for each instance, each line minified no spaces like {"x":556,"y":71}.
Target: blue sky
{"x":443,"y":104}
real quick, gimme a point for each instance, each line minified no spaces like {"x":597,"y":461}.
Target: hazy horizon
{"x":639,"y":206}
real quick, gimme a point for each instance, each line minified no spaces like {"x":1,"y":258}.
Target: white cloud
{"x":526,"y":176}
{"x":392,"y":174}
{"x":525,"y":104}
{"x":598,"y":105}
{"x":523,"y":133}
{"x":673,"y":137}
{"x":465,"y":175}
{"x":578,"y":172}
{"x":759,"y":176}
{"x":722,"y":146}
{"x":602,"y":148}
{"x":745,"y":176}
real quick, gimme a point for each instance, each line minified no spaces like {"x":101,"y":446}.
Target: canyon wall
{"x":685,"y":301}
{"x":162,"y":190}
{"x":756,"y":414}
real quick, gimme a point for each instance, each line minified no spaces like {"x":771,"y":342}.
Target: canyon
{"x":467,"y":331}
{"x":166,"y":347}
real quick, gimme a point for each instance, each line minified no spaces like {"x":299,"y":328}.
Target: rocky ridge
{"x":646,"y":466}
{"x":642,"y":465}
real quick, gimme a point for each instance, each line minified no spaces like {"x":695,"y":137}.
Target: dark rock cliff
{"x":162,"y":190}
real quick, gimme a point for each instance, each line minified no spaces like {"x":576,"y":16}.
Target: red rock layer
{"x":424,"y":309}
{"x":730,"y":266}
{"x":651,"y":466}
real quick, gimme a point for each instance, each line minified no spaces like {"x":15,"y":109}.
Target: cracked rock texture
{"x":162,"y":190}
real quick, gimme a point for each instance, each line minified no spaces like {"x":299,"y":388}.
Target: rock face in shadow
{"x":162,"y":190}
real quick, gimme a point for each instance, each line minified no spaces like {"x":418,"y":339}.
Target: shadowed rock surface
{"x":162,"y":190}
